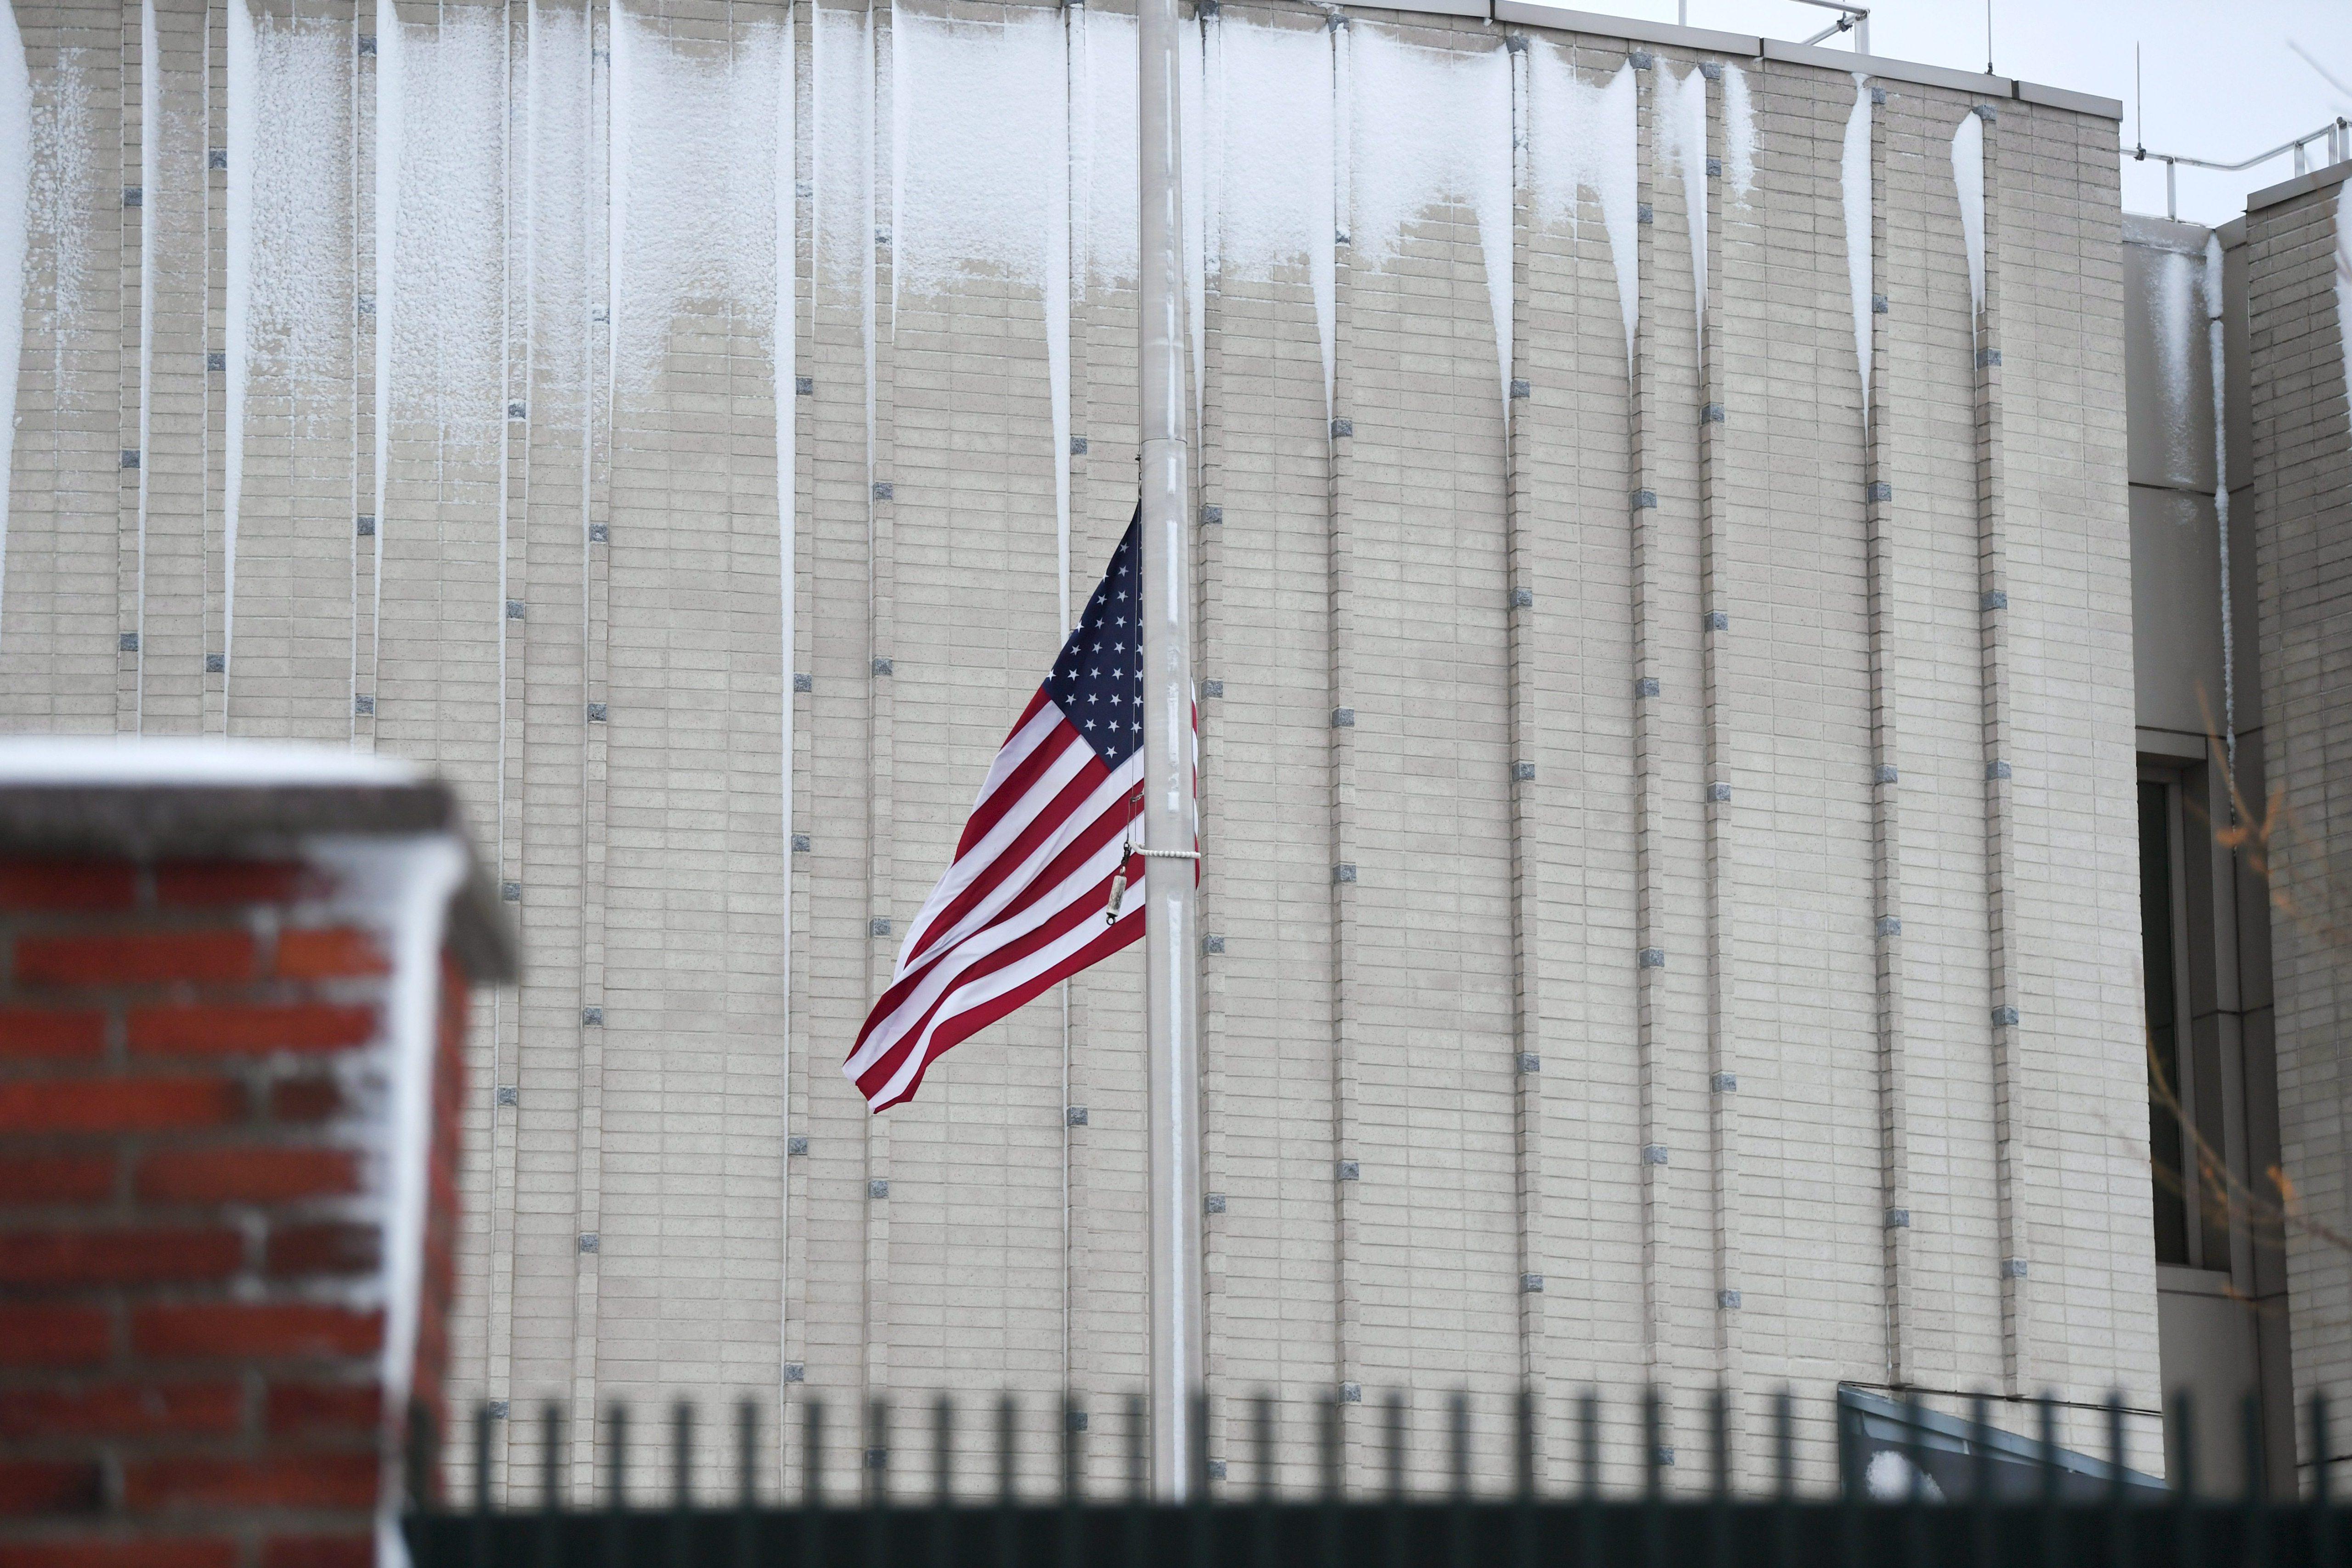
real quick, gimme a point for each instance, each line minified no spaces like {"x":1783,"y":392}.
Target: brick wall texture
{"x":2299,"y":270}
{"x":193,"y":1169}
{"x":534,"y":482}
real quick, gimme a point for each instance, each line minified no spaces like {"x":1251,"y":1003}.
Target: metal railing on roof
{"x":2337,"y":133}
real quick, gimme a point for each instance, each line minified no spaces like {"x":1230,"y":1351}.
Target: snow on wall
{"x":1854,"y":175}
{"x":1277,"y":185}
{"x":1968,"y":180}
{"x":1739,"y":140}
{"x":446,"y":333}
{"x":17,"y":152}
{"x":694,"y":138}
{"x":560,"y":124}
{"x":1428,"y":127}
{"x":2177,"y":322}
{"x":1581,"y":138}
{"x":980,"y":130}
{"x":296,"y":174}
{"x":1681,"y":137}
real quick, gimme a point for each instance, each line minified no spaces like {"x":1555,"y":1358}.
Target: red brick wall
{"x":191,"y":1169}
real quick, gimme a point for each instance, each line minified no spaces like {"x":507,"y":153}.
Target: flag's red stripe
{"x":994,"y":801}
{"x":1060,"y":923}
{"x":966,"y":1025}
{"x":1090,"y":896}
{"x":1049,"y":820}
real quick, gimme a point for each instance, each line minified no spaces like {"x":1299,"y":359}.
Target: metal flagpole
{"x":1171,"y":940}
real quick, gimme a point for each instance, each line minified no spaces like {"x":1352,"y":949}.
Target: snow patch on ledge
{"x":50,"y":760}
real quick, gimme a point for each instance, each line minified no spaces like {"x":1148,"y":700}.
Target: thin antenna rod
{"x":2139,"y":100}
{"x":1989,"y":70}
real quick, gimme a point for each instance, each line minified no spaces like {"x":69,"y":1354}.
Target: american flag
{"x":1024,"y":905}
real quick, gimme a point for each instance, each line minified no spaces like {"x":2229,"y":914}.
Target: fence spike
{"x":1457,"y":1458}
{"x":1262,"y":1442}
{"x":2046,"y":1412}
{"x":2250,"y":1425}
{"x":943,"y":1451}
{"x":1393,"y":1412}
{"x":1913,"y":1473}
{"x":2322,"y":1510}
{"x":1784,"y":1445}
{"x":1200,"y":1454}
{"x":682,"y":1443}
{"x":877,"y":1451}
{"x":550,"y":1456}
{"x":1653,"y":1439}
{"x":2184,"y":1427}
{"x":747,"y":1454}
{"x":1138,"y":1463}
{"x":813,"y":1452}
{"x":616,"y":1457}
{"x":1072,"y":1455}
{"x":1523,"y":1448}
{"x":1327,"y":1445}
{"x":1981,"y":1485}
{"x":2116,"y":1455}
{"x":1588,"y":1434}
{"x":2321,"y":1488}
{"x":1008,"y":1444}
{"x":481,"y":1457}
{"x":1718,"y":1416}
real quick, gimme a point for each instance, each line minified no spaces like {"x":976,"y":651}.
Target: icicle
{"x":1739,"y":132}
{"x":16,"y":196}
{"x":1968,"y":180}
{"x":2176,"y":324}
{"x":2216,"y":354}
{"x":1855,"y":174}
{"x":1681,"y":110}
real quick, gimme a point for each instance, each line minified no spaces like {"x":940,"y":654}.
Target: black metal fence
{"x":1916,"y":1487}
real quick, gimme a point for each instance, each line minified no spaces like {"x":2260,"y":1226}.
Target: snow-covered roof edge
{"x":144,"y":799}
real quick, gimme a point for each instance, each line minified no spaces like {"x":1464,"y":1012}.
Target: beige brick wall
{"x":2303,"y":463}
{"x":582,"y":615}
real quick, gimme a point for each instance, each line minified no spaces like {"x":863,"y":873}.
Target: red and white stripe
{"x":1019,"y":911}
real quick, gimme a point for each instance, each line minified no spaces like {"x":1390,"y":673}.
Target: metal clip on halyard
{"x":1128,"y":851}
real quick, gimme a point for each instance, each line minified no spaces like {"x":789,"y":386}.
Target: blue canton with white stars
{"x":1097,"y":682}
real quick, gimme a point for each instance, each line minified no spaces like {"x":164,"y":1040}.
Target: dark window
{"x":2168,"y":1156}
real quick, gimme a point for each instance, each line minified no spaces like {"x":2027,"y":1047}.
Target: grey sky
{"x":2220,"y":79}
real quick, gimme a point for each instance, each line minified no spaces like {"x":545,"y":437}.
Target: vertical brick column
{"x":1881,"y":530}
{"x":200,"y":1211}
{"x":1717,"y":478}
{"x":1209,"y":638}
{"x":2009,"y":1133}
{"x":1528,"y":806}
{"x":1646,"y":429}
{"x":1360,"y":1453}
